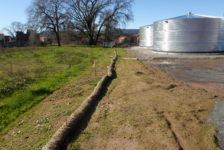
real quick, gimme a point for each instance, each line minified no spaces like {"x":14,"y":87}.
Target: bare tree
{"x":48,"y":14}
{"x":110,"y":30}
{"x":91,"y":16}
{"x":16,"y":27}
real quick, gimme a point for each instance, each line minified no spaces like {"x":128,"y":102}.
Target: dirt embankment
{"x":33,"y":129}
{"x":144,"y":109}
{"x":66,"y":132}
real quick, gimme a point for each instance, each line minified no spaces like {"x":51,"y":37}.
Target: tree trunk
{"x":58,"y":38}
{"x":97,"y":38}
{"x":96,"y":41}
{"x":91,"y":41}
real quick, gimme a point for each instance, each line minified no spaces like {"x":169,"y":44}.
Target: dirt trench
{"x":145,"y":109}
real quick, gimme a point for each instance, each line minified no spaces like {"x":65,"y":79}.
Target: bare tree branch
{"x":92,"y":16}
{"x":15,"y":27}
{"x":48,"y":14}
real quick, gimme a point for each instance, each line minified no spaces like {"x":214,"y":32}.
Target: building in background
{"x":127,"y":37}
{"x":1,"y":40}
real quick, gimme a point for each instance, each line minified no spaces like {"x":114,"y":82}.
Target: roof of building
{"x":130,"y":31}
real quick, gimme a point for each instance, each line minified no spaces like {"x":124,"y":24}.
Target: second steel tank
{"x":189,"y":33}
{"x":146,"y":36}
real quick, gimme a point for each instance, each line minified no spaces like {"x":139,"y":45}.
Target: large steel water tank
{"x":146,"y":36}
{"x":189,"y":33}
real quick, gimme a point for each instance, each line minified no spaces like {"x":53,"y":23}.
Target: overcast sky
{"x":145,"y":11}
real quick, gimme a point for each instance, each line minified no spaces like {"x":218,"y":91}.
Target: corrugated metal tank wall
{"x":189,"y":34}
{"x":146,"y":36}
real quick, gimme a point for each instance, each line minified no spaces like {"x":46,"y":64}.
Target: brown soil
{"x":212,"y":87}
{"x":144,"y":109}
{"x":215,"y":65}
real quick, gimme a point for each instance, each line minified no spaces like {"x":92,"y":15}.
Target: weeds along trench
{"x":79,"y":119}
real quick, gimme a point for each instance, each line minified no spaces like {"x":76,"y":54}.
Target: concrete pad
{"x":147,"y":53}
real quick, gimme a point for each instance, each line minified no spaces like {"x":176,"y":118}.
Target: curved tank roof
{"x":191,"y":16}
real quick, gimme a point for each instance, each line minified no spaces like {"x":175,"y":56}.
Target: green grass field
{"x":28,"y":75}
